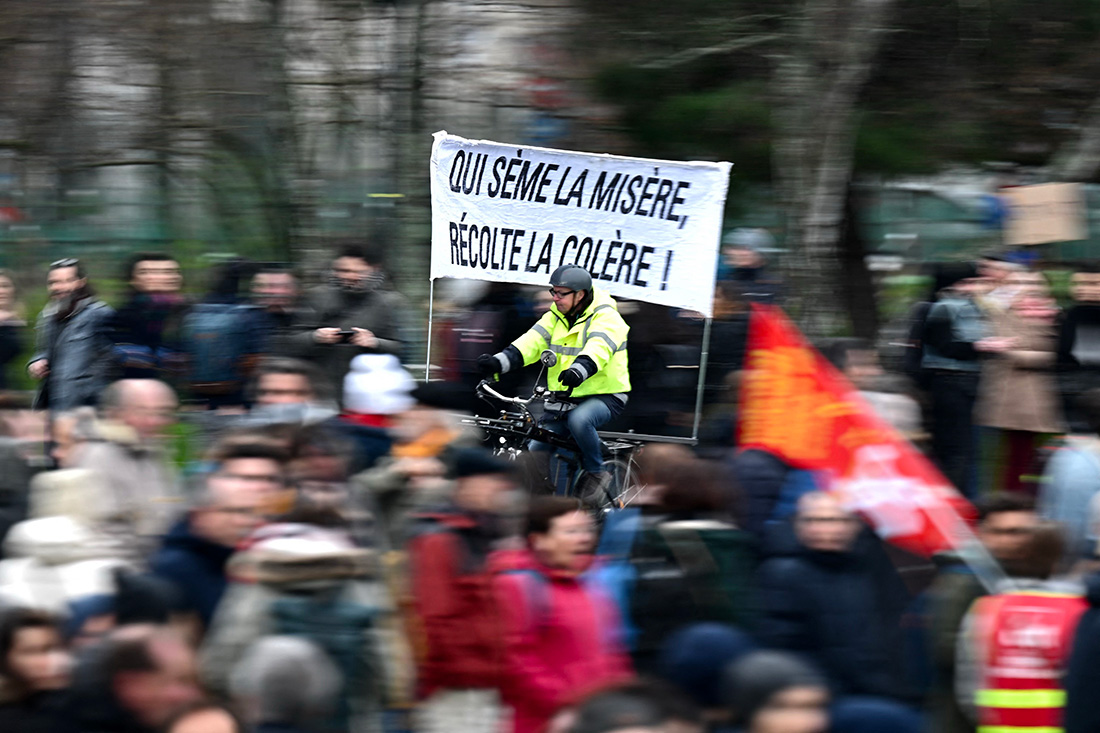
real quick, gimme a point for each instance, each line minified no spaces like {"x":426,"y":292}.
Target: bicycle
{"x":510,"y":434}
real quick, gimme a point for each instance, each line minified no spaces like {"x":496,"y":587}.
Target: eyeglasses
{"x":65,"y":262}
{"x":558,"y":294}
{"x":252,"y":478}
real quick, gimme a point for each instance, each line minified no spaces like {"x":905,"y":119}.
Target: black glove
{"x":488,"y":365}
{"x":572,"y":377}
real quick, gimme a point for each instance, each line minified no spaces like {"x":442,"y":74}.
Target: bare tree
{"x":1079,"y":158}
{"x":818,"y":77}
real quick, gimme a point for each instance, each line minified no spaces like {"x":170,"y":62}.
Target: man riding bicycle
{"x":584,"y":329}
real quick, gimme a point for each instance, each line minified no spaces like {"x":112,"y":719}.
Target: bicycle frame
{"x":515,"y":430}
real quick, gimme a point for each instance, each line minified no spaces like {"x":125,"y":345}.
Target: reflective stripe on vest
{"x":1022,"y":640}
{"x":1021,"y":699}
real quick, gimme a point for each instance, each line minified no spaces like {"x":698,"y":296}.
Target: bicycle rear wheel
{"x":622,"y":488}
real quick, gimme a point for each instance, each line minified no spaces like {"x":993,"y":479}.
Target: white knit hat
{"x":377,"y":385}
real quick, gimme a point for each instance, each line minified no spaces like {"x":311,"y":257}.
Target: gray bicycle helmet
{"x":573,"y":277}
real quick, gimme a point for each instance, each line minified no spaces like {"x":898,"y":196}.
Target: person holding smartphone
{"x":356,"y":312}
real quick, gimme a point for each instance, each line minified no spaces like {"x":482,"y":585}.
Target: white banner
{"x":645,"y":229}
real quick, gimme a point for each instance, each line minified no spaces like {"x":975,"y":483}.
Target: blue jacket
{"x":760,"y":476}
{"x":195,"y":565}
{"x":1070,"y":481}
{"x":951,"y":329}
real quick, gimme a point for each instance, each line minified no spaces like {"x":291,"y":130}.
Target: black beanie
{"x":949,"y":273}
{"x":754,"y":679}
{"x":144,"y":599}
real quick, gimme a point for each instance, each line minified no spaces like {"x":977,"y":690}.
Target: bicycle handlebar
{"x":544,"y":395}
{"x":483,"y":386}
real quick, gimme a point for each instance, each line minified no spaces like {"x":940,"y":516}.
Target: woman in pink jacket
{"x":562,"y":637}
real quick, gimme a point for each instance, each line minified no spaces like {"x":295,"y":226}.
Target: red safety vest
{"x":1024,"y":640}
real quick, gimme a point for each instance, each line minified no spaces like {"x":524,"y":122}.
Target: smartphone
{"x":345,"y":336}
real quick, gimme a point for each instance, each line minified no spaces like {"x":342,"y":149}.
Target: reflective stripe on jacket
{"x":599,"y":333}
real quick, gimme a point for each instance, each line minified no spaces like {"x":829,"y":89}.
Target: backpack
{"x":340,"y":627}
{"x":536,"y":593}
{"x":685,"y":575}
{"x":538,"y":598}
{"x":796,"y":483}
{"x":912,"y":359}
{"x":220,"y":339}
{"x":400,"y":566}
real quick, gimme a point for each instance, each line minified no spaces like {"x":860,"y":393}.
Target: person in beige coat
{"x":1018,"y":394}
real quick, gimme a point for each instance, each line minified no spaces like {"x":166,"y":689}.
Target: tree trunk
{"x":1079,"y":159}
{"x":859,"y":290}
{"x":817,"y":83}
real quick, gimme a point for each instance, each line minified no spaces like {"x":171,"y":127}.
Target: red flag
{"x":797,"y":406}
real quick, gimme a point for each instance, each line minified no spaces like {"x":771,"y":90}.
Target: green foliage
{"x":732,"y":122}
{"x":952,"y":84}
{"x":916,"y":140}
{"x":897,"y":293}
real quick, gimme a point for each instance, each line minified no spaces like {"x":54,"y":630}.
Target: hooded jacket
{"x":562,"y":638}
{"x":455,"y":606}
{"x":299,"y":561}
{"x":53,"y":561}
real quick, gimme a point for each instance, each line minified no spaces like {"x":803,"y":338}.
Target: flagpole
{"x":880,"y":491}
{"x":972,"y":552}
{"x":428,"y":354}
{"x":703,"y":356}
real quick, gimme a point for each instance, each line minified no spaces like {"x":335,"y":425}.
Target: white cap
{"x":378,"y":385}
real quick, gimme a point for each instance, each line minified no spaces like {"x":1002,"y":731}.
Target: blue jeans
{"x":582,"y":422}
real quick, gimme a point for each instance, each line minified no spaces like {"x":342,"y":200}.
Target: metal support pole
{"x":428,"y":354}
{"x":702,"y":378}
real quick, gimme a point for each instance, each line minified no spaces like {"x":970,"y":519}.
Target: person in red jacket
{"x":460,"y":642}
{"x":562,"y":637}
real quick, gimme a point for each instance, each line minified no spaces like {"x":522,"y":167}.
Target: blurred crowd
{"x":242,"y":513}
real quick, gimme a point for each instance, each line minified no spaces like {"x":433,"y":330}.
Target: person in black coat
{"x":134,"y":680}
{"x":12,"y":327}
{"x":1082,"y":680}
{"x":832,"y":598}
{"x":1079,"y":347}
{"x":145,"y":329}
{"x":196,"y":550}
{"x":33,"y":672}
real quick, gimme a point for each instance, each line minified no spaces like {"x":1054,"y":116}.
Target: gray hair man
{"x":232,"y":502}
{"x":285,"y":683}
{"x":137,"y":490}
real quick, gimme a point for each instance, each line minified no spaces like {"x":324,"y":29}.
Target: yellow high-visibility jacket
{"x":598,"y":334}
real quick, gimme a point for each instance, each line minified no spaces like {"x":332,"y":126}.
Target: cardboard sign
{"x":1047,"y":212}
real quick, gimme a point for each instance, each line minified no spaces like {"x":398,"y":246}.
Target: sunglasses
{"x":557,"y":294}
{"x":65,"y":262}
